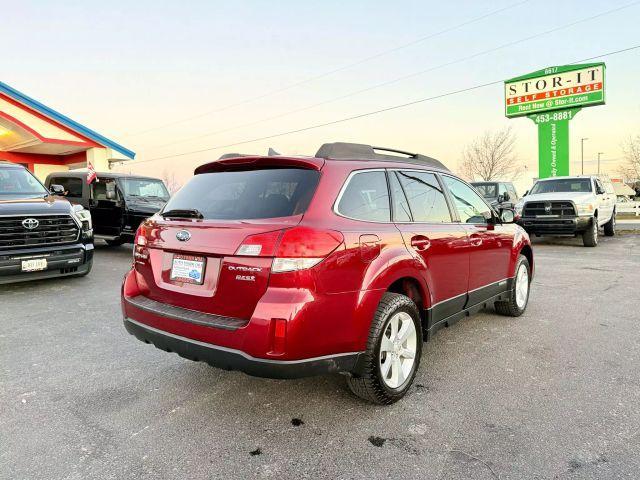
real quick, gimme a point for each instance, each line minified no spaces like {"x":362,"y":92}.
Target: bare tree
{"x":630,"y":168}
{"x":492,"y":157}
{"x":169,"y":179}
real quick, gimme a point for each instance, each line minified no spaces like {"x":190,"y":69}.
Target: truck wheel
{"x":115,"y":243}
{"x":393,"y":352}
{"x":590,"y":235}
{"x":519,"y":295}
{"x":610,"y":226}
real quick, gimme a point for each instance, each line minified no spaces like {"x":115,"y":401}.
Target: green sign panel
{"x":555,"y":88}
{"x":553,"y":142}
{"x":551,"y":98}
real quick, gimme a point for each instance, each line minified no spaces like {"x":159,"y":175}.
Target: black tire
{"x":115,"y":243}
{"x":610,"y":226}
{"x":510,"y":307}
{"x":370,"y":385}
{"x":590,"y":235}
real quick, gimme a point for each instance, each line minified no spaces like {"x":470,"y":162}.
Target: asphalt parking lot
{"x":552,"y":394}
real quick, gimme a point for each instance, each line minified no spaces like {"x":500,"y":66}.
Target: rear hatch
{"x":211,"y":248}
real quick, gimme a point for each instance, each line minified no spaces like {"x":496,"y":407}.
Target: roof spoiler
{"x":359,"y":151}
{"x":270,"y":153}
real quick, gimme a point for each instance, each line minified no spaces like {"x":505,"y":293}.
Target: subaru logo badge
{"x":183,"y":235}
{"x":30,"y":223}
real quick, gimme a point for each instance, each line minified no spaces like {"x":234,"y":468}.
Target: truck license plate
{"x":34,"y":265}
{"x":188,"y":269}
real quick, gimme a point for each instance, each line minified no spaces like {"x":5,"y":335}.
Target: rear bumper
{"x":554,"y":226}
{"x":62,"y":261}
{"x":323,"y":332}
{"x":231,"y":359}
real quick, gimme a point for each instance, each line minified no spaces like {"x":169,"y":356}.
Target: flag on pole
{"x":91,"y":175}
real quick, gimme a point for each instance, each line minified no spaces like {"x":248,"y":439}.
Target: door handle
{"x":475,"y":240}
{"x":420,"y":243}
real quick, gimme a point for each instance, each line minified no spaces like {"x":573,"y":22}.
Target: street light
{"x":599,"y":153}
{"x":582,"y":152}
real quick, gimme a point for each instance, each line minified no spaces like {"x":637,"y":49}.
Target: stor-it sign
{"x":555,"y":88}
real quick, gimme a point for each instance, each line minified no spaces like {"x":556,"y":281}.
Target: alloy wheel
{"x":398,"y":350}
{"x":522,"y":286}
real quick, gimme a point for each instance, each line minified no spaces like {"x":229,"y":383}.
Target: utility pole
{"x":599,"y":153}
{"x":582,"y":153}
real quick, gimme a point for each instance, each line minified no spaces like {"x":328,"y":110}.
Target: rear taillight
{"x":259,"y":245}
{"x":140,"y":251}
{"x":280,"y":265}
{"x":301,"y":248}
{"x":294,"y":249}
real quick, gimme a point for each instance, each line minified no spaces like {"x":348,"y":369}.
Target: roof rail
{"x":359,"y":151}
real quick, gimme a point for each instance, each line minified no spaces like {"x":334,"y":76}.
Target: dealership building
{"x":46,"y":141}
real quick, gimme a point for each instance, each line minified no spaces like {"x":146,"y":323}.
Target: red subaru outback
{"x":345,"y":262}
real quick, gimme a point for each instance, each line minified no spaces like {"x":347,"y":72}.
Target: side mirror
{"x":507,"y":216}
{"x":111,"y":195}
{"x":506,"y":197}
{"x":56,"y":189}
{"x":525,"y":193}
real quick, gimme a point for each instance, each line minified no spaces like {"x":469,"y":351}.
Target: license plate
{"x":34,"y":265}
{"x":187,"y":269}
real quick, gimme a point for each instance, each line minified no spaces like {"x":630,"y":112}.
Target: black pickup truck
{"x":41,"y":234}
{"x":118,"y":202}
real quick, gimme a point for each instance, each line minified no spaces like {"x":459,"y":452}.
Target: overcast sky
{"x":124,"y":67}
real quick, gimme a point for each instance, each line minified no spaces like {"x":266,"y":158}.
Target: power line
{"x":367,"y":114}
{"x":401,"y":78}
{"x":335,"y":70}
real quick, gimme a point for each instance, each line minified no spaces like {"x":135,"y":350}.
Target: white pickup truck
{"x":569,"y":206}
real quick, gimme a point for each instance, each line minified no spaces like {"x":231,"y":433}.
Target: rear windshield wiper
{"x":183,"y":213}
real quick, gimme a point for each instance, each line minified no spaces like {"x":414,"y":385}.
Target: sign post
{"x":551,"y":98}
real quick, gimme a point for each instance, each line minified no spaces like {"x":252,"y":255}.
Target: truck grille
{"x":50,"y":230}
{"x":560,"y":209}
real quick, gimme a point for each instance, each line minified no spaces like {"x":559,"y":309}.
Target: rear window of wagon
{"x":248,"y":194}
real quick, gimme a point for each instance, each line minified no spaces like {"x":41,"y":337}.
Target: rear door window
{"x":366,"y":197}
{"x":250,"y":194}
{"x":426,"y":197}
{"x":401,"y":210}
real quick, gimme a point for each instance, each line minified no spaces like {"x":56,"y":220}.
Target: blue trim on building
{"x":64,"y":120}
